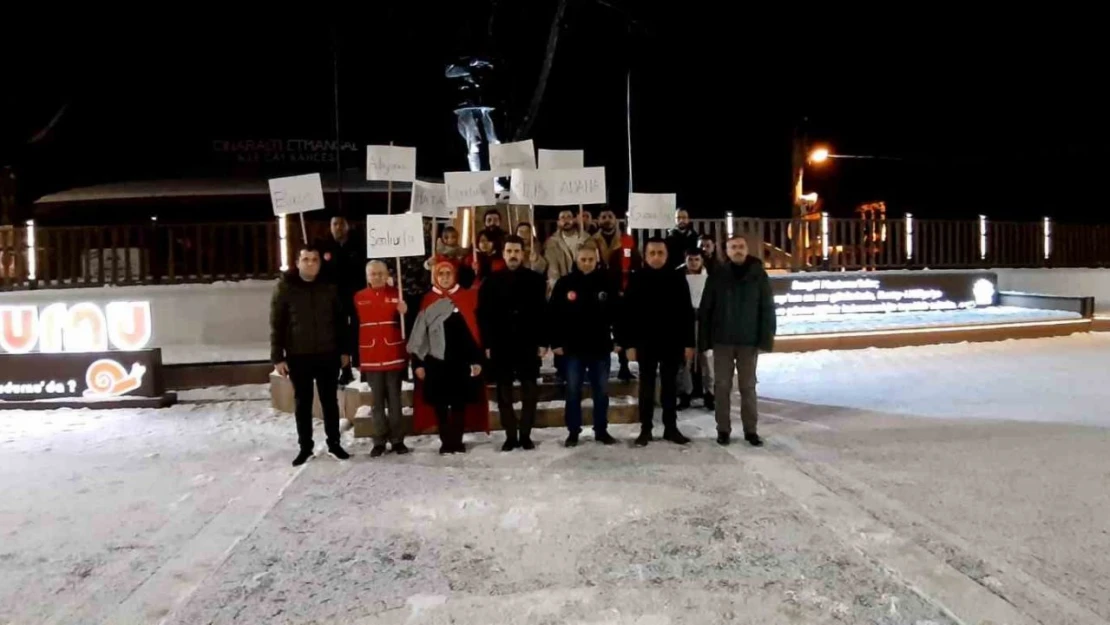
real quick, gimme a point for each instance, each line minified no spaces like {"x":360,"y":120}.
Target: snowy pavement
{"x":905,"y":486}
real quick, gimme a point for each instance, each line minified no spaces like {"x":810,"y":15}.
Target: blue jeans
{"x":598,"y":371}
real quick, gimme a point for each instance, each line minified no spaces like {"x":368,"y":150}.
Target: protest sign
{"x":505,"y":157}
{"x":562,"y":159}
{"x":651,"y":210}
{"x":296,"y":194}
{"x":390,"y":162}
{"x":394,"y":235}
{"x":430,"y":199}
{"x":559,"y":187}
{"x":469,"y":188}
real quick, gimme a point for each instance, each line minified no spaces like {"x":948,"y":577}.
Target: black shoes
{"x":710,"y":404}
{"x":674,"y":436}
{"x":527,"y":444}
{"x":510,"y":444}
{"x":754,"y":440}
{"x":604,"y":438}
{"x":399,"y":449}
{"x":572,"y":440}
{"x":683,"y":402}
{"x":302,"y":457}
{"x":644,"y":438}
{"x":337,"y":452}
{"x":378,"y":451}
{"x":723,"y":438}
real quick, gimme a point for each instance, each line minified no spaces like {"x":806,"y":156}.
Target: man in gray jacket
{"x":308,"y":332}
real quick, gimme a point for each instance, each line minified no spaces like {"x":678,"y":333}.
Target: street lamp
{"x":819,"y":155}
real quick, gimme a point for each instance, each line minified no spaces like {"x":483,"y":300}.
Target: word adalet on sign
{"x":559,"y":187}
{"x":82,"y":327}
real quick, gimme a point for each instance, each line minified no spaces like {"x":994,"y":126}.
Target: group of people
{"x":492,"y":313}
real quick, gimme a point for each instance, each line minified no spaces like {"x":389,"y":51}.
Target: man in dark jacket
{"x":511,"y":307}
{"x":309,"y":337}
{"x":343,"y":259}
{"x":680,"y":238}
{"x":658,"y":332}
{"x":581,"y":324}
{"x":737,"y":317}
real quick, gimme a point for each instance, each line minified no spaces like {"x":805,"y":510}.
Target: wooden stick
{"x":304,"y":230}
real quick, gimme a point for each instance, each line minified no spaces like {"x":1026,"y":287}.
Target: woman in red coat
{"x":447,"y":361}
{"x":382,"y":357}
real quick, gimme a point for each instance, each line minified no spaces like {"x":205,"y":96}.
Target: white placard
{"x":469,"y":188}
{"x":390,"y":162}
{"x":652,"y":210}
{"x":562,"y":159}
{"x":296,"y":194}
{"x":394,"y":235}
{"x":430,"y":199}
{"x":505,"y":157}
{"x":559,"y":187}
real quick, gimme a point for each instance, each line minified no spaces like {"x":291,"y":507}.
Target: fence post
{"x":982,"y":239}
{"x":909,"y":239}
{"x":1047,"y":241}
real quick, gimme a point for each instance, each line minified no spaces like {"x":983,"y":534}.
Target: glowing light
{"x":728,"y":223}
{"x":82,"y":327}
{"x":982,"y":237}
{"x":819,"y":155}
{"x":824,"y":236}
{"x":809,"y":198}
{"x":909,"y":236}
{"x":31,"y":256}
{"x":282,"y":246}
{"x":465,"y":227}
{"x":1047,"y":238}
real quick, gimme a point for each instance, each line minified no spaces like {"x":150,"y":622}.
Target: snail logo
{"x":108,"y":378}
{"x":983,"y":291}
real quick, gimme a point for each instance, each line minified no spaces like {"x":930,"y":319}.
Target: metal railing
{"x":170,"y":254}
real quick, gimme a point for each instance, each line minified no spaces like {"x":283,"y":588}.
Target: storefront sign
{"x":882,"y":292}
{"x":77,"y":328}
{"x":87,"y":376}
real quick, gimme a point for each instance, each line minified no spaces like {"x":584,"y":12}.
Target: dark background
{"x":998,"y":113}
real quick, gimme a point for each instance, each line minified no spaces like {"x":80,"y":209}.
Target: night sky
{"x":994,"y":114}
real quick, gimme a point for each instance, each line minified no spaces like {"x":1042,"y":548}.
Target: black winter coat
{"x":737,"y":307}
{"x":581,"y":314}
{"x":678,"y":242}
{"x":657,"y":316}
{"x":511,"y":313}
{"x":306,"y":318}
{"x":344,"y":265}
{"x":448,"y":382}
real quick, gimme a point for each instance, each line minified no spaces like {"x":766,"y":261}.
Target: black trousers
{"x":505,"y":373}
{"x":323,"y":370}
{"x":663,"y":368}
{"x":451,"y":420}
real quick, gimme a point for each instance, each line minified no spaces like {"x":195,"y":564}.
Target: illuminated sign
{"x":83,"y":327}
{"x":882,"y":292}
{"x":80,"y":376}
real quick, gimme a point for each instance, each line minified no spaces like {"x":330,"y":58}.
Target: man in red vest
{"x":382,"y":357}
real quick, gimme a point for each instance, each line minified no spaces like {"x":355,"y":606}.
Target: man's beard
{"x":610,"y":229}
{"x":570,"y":227}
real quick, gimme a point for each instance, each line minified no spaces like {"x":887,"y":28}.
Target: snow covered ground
{"x":895,"y":489}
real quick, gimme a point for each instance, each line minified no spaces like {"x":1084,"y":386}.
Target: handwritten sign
{"x":390,"y":162}
{"x":430,"y":199}
{"x":651,"y":210}
{"x":562,"y":159}
{"x":394,"y":235}
{"x":296,"y":194}
{"x":469,"y":188}
{"x":505,"y":157}
{"x":559,"y":187}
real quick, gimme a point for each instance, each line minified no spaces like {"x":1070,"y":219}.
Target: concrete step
{"x":549,"y":414}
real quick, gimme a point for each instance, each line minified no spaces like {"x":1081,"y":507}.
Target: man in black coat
{"x":309,"y":341}
{"x":658,"y":330}
{"x":344,"y":264}
{"x":737,"y":322}
{"x":581,"y":315}
{"x":680,"y":238}
{"x":511,"y":307}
